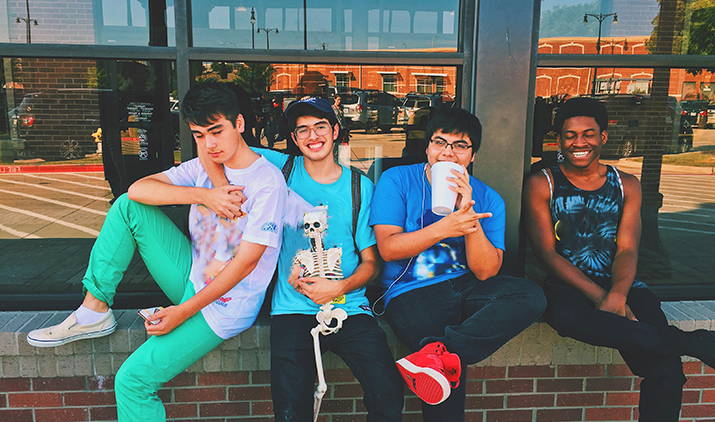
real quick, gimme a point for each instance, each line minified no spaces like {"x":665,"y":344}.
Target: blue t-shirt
{"x":403,"y":198}
{"x":337,"y":197}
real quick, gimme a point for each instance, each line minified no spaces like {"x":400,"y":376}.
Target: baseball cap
{"x":298,"y":107}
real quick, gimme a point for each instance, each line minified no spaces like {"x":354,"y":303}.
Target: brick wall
{"x":495,"y":393}
{"x":538,"y":376}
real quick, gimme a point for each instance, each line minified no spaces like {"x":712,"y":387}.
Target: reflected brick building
{"x":579,"y":80}
{"x":397,"y":80}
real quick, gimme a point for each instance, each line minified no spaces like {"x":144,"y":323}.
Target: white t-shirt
{"x":214,"y":240}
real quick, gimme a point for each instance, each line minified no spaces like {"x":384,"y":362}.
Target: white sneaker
{"x":69,"y":330}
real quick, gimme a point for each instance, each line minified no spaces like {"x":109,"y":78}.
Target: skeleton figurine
{"x":325,"y":263}
{"x":318,"y":262}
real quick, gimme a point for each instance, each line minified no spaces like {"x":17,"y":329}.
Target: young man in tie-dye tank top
{"x":583,"y":219}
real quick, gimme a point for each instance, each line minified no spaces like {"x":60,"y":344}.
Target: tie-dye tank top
{"x":586,"y":222}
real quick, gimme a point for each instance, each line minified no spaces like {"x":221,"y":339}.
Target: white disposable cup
{"x":443,"y":198}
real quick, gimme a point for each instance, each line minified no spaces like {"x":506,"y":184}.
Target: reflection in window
{"x":114,"y":13}
{"x":385,"y":116}
{"x":399,"y":21}
{"x":647,"y":26}
{"x":429,"y":26}
{"x":274,"y":18}
{"x":348,"y":15}
{"x":430,"y":84}
{"x":425,"y":22}
{"x":292,"y":22}
{"x":320,"y":20}
{"x":656,"y":131}
{"x":389,"y":82}
{"x":243,"y":17}
{"x":218,"y":18}
{"x":448,"y":22}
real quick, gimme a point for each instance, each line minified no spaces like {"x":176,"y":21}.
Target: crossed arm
{"x":541,"y":232}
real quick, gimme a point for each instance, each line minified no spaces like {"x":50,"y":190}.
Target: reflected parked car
{"x":57,"y":124}
{"x":371,"y":110}
{"x":710,"y":119}
{"x":414,"y":101}
{"x":695,"y":112}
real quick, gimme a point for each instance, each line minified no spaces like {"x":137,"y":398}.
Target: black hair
{"x":581,"y":106}
{"x":205,"y":102}
{"x":455,"y":120}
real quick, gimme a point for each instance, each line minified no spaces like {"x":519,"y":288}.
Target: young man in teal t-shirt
{"x":321,"y":188}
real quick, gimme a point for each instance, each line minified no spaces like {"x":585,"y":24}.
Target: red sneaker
{"x":452,"y":368}
{"x":424,"y":374}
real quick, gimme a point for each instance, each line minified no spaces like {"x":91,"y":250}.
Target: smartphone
{"x":148,"y":312}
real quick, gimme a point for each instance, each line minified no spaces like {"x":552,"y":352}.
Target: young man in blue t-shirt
{"x":321,"y":188}
{"x":444,"y":296}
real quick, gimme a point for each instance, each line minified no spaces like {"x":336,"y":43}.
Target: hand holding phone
{"x":148,"y":312}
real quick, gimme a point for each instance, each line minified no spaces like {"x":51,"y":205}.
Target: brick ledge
{"x":538,"y":345}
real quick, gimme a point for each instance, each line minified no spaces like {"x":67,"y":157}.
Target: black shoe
{"x":700,"y":344}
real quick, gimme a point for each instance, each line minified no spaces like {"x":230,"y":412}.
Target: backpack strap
{"x":288,"y":167}
{"x":357,"y":200}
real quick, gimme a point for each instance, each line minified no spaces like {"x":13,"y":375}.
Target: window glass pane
{"x":376,"y":25}
{"x":73,"y":135}
{"x":106,"y":119}
{"x":104,"y":22}
{"x":660,"y":128}
{"x":627,"y":27}
{"x":380,"y":104}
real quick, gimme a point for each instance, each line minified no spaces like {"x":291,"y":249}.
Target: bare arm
{"x":322,"y":291}
{"x":483,"y":259}
{"x":625,"y":261}
{"x":543,"y":238}
{"x":395,"y":244}
{"x":157,"y":189}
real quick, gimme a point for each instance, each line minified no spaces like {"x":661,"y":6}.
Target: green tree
{"x":254,"y":78}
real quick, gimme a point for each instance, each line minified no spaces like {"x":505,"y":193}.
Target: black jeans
{"x":361,"y":343}
{"x":472,"y":318}
{"x":649,"y":346}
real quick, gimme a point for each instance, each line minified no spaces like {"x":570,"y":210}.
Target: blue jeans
{"x":649,"y":346}
{"x":361,"y":343}
{"x":472,"y":318}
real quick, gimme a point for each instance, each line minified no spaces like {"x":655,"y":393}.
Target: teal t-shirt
{"x":338,"y":198}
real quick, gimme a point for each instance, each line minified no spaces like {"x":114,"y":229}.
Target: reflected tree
{"x":666,"y":36}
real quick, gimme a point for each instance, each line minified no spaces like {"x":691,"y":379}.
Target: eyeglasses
{"x":457,"y":146}
{"x":320,"y":129}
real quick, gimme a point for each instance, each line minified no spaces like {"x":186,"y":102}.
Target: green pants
{"x":166,"y":251}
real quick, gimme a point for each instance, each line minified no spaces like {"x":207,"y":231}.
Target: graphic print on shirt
{"x":216,"y":247}
{"x":445,"y":257}
{"x":318,"y":261}
{"x":586,"y":222}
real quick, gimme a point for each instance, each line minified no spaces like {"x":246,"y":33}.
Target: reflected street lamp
{"x":267,"y":31}
{"x":253,"y":27}
{"x":28,"y":21}
{"x":600,"y":18}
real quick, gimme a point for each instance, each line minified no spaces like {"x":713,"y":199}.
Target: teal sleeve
{"x":276,"y":158}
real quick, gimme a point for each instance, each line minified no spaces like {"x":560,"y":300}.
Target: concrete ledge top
{"x":537,"y":345}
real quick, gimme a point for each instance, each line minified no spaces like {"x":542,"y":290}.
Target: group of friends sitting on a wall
{"x":327,"y":231}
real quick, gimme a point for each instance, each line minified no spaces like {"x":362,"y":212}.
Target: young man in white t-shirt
{"x":216,"y":280}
